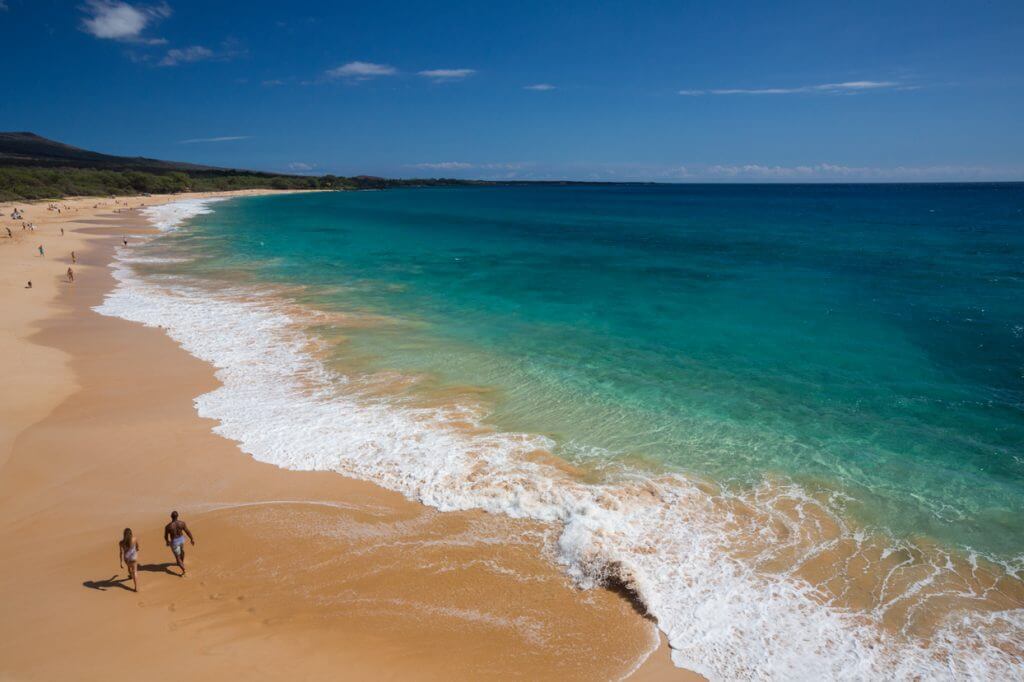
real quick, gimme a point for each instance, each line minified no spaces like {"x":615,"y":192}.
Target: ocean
{"x":790,"y":418}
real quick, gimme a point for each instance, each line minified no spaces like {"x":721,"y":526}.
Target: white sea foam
{"x":126,"y":257}
{"x":167,"y":217}
{"x":666,"y":539}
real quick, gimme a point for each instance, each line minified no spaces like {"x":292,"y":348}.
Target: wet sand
{"x":304,"y":575}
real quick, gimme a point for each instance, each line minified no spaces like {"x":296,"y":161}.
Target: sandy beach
{"x":298,"y":575}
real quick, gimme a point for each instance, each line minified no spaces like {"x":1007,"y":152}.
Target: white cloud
{"x":447,"y":74}
{"x":273,"y":82}
{"x":195,"y":53}
{"x":462,"y":165}
{"x":224,"y":138}
{"x":298,"y":166}
{"x":817,"y":172}
{"x":833,"y":171}
{"x":361,"y":71}
{"x":756,"y":170}
{"x":540,"y":87}
{"x":844,"y":87}
{"x":228,"y":50}
{"x":857,"y":85}
{"x":116,"y":20}
{"x":443,"y":165}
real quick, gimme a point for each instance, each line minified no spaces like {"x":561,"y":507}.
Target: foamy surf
{"x":167,"y":217}
{"x":706,"y":563}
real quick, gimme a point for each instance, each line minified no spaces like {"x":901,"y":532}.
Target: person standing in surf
{"x":174,"y":536}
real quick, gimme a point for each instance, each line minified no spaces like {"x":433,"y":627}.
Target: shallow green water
{"x":869,"y":339}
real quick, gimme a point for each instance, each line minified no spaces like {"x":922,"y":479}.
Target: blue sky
{"x":668,"y":91}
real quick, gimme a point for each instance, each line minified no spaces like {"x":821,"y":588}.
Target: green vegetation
{"x":33,"y":167}
{"x":52,"y":183}
{"x":27,"y":183}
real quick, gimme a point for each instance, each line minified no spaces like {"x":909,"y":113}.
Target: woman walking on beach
{"x":128,"y":553}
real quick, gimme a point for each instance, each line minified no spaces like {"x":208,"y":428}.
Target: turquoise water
{"x":862,"y":339}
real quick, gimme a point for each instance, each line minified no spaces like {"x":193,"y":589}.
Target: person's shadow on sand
{"x":114,"y":581}
{"x":159,"y":568}
{"x":104,"y":585}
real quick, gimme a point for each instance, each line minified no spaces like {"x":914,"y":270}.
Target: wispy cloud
{"x":223,"y":138}
{"x":360,"y":71}
{"x":300,"y":167}
{"x":228,"y":50}
{"x":818,"y":172}
{"x":116,"y":20}
{"x":272,"y":82}
{"x":540,"y":87}
{"x":447,"y":74}
{"x":195,"y":53}
{"x":442,"y":165}
{"x":3,"y":6}
{"x":462,"y":165}
{"x":834,"y":171}
{"x":823,"y":88}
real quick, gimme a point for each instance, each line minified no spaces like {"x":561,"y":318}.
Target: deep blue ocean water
{"x":866,"y":339}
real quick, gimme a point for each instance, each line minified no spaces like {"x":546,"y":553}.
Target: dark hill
{"x":29,"y":149}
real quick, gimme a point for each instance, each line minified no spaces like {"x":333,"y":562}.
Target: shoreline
{"x":294,"y":572}
{"x":771,"y":579}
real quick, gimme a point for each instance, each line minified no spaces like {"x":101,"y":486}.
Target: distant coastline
{"x":34,"y":168}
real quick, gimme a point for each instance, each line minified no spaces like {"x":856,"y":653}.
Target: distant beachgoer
{"x":71,"y":275}
{"x":41,"y":252}
{"x":128,"y":553}
{"x":29,"y":285}
{"x":10,"y":235}
{"x":125,"y":240}
{"x":174,"y":536}
{"x":74,"y":258}
{"x":61,"y":229}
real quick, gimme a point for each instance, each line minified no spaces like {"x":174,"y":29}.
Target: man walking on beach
{"x":174,"y":536}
